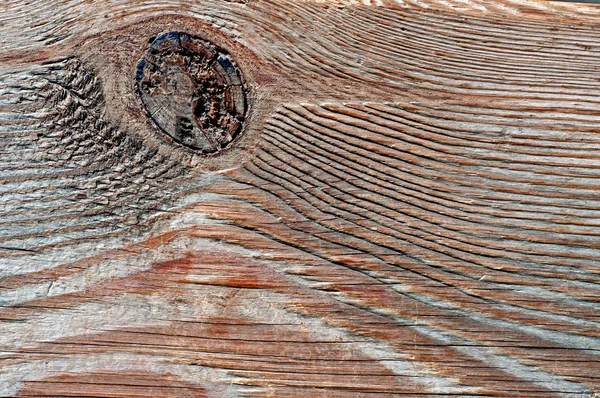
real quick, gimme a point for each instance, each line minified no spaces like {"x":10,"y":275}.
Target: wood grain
{"x":412,"y":209}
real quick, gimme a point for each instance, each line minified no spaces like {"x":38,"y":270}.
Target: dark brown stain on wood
{"x":193,"y":91}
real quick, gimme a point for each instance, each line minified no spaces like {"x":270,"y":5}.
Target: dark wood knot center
{"x":193,"y":90}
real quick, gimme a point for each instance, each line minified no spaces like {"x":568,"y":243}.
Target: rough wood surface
{"x":413,"y":207}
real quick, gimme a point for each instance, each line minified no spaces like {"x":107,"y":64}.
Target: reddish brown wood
{"x":410,"y":209}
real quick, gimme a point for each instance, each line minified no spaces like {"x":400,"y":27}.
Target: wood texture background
{"x":413,"y":210}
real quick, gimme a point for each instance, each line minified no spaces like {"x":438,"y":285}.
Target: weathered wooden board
{"x":413,"y":207}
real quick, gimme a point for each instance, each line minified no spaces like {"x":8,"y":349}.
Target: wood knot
{"x":193,"y":90}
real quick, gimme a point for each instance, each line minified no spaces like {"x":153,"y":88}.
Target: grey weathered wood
{"x":412,"y":209}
